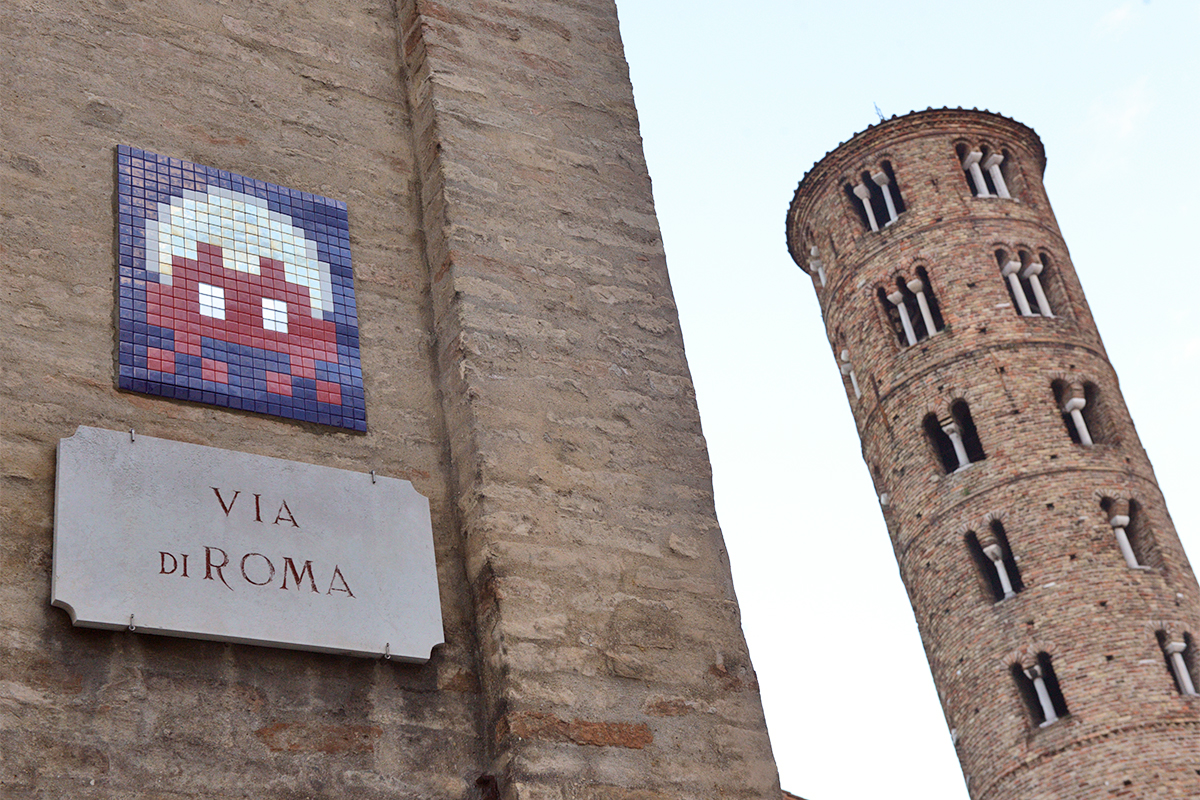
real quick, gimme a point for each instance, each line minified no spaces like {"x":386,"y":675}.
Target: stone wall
{"x":583,"y":481}
{"x":523,"y":367}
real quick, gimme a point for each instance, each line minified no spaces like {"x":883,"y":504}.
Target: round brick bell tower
{"x":1058,"y":611}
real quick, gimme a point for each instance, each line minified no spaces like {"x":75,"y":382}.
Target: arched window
{"x":1039,"y":689}
{"x":847,"y":368}
{"x":994,"y":559}
{"x":876,"y":197}
{"x":1052,"y":287}
{"x":1079,"y":403}
{"x":1024,"y":274}
{"x":961,"y":414}
{"x":954,"y":439}
{"x":943,"y":446}
{"x":1131,"y":532}
{"x":984,"y":169}
{"x":911,"y":308}
{"x":816,"y":267}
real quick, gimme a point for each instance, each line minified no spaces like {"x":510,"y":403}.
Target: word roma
{"x":261,"y":567}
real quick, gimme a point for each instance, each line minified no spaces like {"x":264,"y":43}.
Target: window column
{"x":954,"y":433}
{"x":1119,"y":520}
{"x":848,"y":370}
{"x":1175,"y":647}
{"x":884,"y":183}
{"x":917,"y":287}
{"x":995,"y":554}
{"x":1074,"y":406}
{"x":815,"y":265}
{"x":897,"y":299}
{"x":970,"y":164}
{"x":1030,"y":274}
{"x":992,"y":165}
{"x":1034,"y":673}
{"x":864,"y":194}
{"x":1012,"y":270}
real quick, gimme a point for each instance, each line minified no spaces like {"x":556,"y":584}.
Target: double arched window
{"x":911,"y":307}
{"x":954,"y":438}
{"x":876,"y":197}
{"x":1027,"y":276}
{"x":1082,"y":413}
{"x":984,"y":168}
{"x":993,"y":556}
{"x":1039,"y":689}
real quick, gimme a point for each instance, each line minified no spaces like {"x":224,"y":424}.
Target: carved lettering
{"x":260,"y":572}
{"x":209,"y":566}
{"x":221,"y":500}
{"x":270,"y":566}
{"x":284,"y":508}
{"x":285,"y":513}
{"x":288,"y":564}
{"x":337,"y":576}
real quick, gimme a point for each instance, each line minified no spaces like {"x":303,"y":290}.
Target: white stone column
{"x":1010,"y":271}
{"x":815,"y":265}
{"x":917,"y":287}
{"x":1031,"y":274}
{"x":1175,"y":652}
{"x":992,"y":165}
{"x":884,"y":183}
{"x":848,"y":370}
{"x":1034,"y":674}
{"x":952,"y":430}
{"x":1119,"y":522}
{"x":864,"y":194}
{"x":996,"y":555}
{"x":1074,"y":407}
{"x":897,"y":299}
{"x":970,"y":164}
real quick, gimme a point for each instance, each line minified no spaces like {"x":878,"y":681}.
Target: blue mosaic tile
{"x":235,"y":292}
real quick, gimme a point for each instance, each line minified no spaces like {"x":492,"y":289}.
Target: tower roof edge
{"x":934,"y":118}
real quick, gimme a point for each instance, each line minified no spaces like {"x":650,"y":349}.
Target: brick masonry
{"x":1129,"y":730}
{"x":521,"y":364}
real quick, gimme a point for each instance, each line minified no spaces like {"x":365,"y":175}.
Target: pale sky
{"x":737,"y":101}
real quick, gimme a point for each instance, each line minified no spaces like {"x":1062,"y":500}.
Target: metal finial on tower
{"x":878,"y":112}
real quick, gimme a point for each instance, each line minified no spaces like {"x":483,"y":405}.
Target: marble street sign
{"x":185,"y":540}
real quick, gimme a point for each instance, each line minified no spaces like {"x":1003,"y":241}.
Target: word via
{"x":256,"y":569}
{"x":284,"y":514}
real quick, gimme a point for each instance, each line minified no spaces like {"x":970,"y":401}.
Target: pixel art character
{"x":238,"y":293}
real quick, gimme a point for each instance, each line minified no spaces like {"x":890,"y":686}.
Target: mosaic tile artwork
{"x":235,"y":292}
